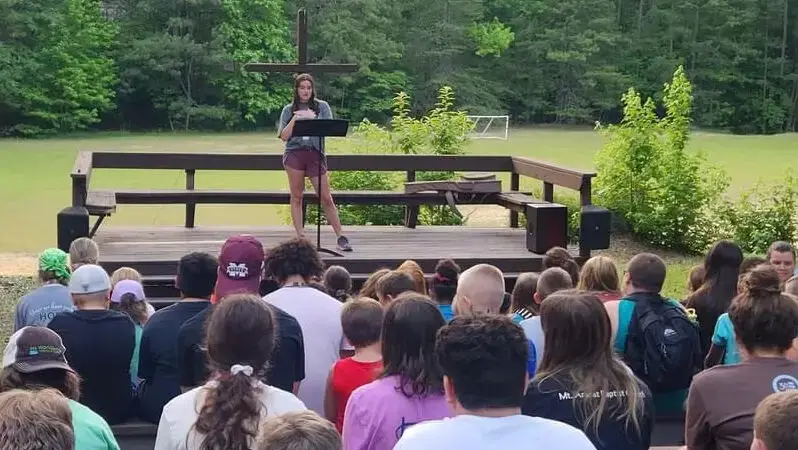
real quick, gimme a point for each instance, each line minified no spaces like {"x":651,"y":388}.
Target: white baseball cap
{"x":89,"y":279}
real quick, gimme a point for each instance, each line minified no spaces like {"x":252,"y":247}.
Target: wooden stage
{"x":155,"y":251}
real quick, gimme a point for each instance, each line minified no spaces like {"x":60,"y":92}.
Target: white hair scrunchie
{"x":238,"y":368}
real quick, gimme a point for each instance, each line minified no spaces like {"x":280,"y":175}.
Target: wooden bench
{"x":102,"y":202}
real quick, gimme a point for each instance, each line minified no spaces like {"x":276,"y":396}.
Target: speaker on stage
{"x":594,"y":231}
{"x":546,"y":226}
{"x":73,"y":223}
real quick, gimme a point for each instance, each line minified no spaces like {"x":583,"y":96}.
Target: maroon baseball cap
{"x":240,"y":266}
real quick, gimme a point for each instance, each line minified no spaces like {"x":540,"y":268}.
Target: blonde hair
{"x":599,"y":274}
{"x":125,"y":273}
{"x":412,"y":268}
{"x":35,"y":420}
{"x":303,"y":430}
{"x":83,"y":251}
{"x":775,"y":421}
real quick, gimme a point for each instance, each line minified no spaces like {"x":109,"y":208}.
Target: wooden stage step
{"x":155,"y":251}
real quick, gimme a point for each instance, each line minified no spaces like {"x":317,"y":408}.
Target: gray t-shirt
{"x":319,"y":316}
{"x":296,"y":143}
{"x":40,"y":306}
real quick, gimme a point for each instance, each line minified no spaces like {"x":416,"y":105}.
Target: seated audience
{"x":226,"y":411}
{"x":99,"y":345}
{"x":303,"y":430}
{"x":129,"y":273}
{"x":294,"y":264}
{"x":361,"y":320}
{"x":83,"y":251}
{"x":196,"y":277}
{"x":781,"y":255}
{"x":392,"y":285}
{"x":480,"y":289}
{"x":52,"y":297}
{"x":127,"y":297}
{"x":582,"y":382}
{"x":600,"y":275}
{"x":369,"y":288}
{"x":560,"y":257}
{"x":696,"y":278}
{"x":722,"y":265}
{"x":750,"y":262}
{"x":443,"y":286}
{"x":666,"y":366}
{"x":723,"y":399}
{"x":412,"y":268}
{"x":483,"y":359}
{"x":338,"y":282}
{"x":776,"y":422}
{"x":550,"y":281}
{"x":522,"y":303}
{"x":410,"y":389}
{"x":286,"y":367}
{"x":35,"y":420}
{"x":34,"y":360}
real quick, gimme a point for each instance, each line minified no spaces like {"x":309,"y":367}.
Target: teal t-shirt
{"x":134,"y":361}
{"x":724,"y":337}
{"x":91,"y":431}
{"x":668,"y":403}
{"x":446,"y":311}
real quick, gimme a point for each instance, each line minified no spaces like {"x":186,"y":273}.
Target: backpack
{"x":663,"y":347}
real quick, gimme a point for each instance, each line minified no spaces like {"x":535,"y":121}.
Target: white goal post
{"x":490,"y":127}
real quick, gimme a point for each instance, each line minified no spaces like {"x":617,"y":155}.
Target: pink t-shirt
{"x":378,"y":413}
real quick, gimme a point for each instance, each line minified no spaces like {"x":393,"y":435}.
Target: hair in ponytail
{"x":338,"y":283}
{"x":444,"y":283}
{"x":240,"y":341}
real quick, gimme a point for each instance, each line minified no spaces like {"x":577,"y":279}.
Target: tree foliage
{"x":178,"y":62}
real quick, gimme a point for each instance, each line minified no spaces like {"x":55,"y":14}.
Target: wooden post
{"x":411,"y":212}
{"x":548,"y":192}
{"x":515,"y":182}
{"x":191,"y":207}
{"x":585,"y":199}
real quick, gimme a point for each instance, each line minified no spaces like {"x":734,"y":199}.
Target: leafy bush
{"x":765,"y":214}
{"x":443,"y":131}
{"x":646,"y":176}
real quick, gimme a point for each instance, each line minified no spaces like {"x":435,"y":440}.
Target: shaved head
{"x":480,"y":289}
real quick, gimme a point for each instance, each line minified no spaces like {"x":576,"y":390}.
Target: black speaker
{"x":594,"y":230}
{"x":546,"y":226}
{"x":73,"y":223}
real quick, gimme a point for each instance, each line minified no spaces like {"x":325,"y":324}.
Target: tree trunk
{"x":784,"y":32}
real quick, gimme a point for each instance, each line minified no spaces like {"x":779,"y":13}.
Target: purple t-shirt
{"x":378,"y":413}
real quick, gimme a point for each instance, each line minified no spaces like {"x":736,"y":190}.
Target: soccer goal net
{"x":490,"y":127}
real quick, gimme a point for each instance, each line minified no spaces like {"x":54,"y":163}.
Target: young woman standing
{"x":304,"y":156}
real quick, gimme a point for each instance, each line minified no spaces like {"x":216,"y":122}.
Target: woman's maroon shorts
{"x":307,"y":160}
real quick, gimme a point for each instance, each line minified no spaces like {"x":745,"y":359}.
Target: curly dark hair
{"x":444,"y":283}
{"x":763,"y":317}
{"x":408,"y":344}
{"x":559,"y":257}
{"x":241,"y":330}
{"x":295,"y":257}
{"x":485,"y":356}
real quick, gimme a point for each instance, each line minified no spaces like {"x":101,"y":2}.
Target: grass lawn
{"x":35,"y":183}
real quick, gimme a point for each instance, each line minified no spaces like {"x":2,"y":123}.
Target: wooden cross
{"x":302,"y":65}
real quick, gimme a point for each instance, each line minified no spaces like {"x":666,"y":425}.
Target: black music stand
{"x":320,"y":128}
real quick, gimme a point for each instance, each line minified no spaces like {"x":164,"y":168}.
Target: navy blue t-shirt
{"x":158,"y":357}
{"x":554,"y":398}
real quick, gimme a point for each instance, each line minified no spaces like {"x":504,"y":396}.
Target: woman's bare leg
{"x":327,"y":203}
{"x":296,"y":184}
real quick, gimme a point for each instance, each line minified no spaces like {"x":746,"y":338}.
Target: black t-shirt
{"x":99,"y":346}
{"x":286,"y":367}
{"x":158,"y":357}
{"x":554,"y":398}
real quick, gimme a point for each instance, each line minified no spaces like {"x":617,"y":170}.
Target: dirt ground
{"x":17,"y":264}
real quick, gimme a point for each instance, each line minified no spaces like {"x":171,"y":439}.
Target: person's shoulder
{"x":86,"y":416}
{"x":281,"y":402}
{"x":376,"y":390}
{"x":322,"y":104}
{"x":183,"y":404}
{"x":283,"y":318}
{"x":424,"y":435}
{"x":64,"y":318}
{"x":716,"y":375}
{"x":555,"y":431}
